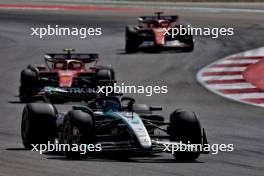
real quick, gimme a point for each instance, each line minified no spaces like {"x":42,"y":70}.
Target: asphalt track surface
{"x":226,"y":121}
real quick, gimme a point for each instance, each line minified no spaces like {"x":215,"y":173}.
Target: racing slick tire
{"x":131,"y":40}
{"x":29,"y":84}
{"x":78,"y":129}
{"x":188,"y":39}
{"x":38,"y":124}
{"x":185,"y":127}
{"x":105,"y":73}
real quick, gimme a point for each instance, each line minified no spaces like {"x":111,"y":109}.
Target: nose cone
{"x":66,"y":79}
{"x":159,"y":36}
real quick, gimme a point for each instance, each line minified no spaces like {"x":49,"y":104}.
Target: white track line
{"x":245,"y":61}
{"x":231,"y":86}
{"x":207,"y":78}
{"x":250,"y":53}
{"x":223,"y":69}
{"x":246,"y":95}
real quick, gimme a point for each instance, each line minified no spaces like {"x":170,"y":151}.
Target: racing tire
{"x":131,"y":45}
{"x":105,"y":72}
{"x":38,"y":124}
{"x":29,"y":84}
{"x":78,"y":129}
{"x":185,"y":127}
{"x":188,"y":39}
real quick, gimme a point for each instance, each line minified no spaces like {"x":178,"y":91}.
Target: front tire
{"x":28,"y":84}
{"x":78,"y":129}
{"x":188,"y":39}
{"x":185,"y":127}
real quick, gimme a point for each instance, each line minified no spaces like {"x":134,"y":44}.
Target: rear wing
{"x":172,"y":18}
{"x":84,"y":57}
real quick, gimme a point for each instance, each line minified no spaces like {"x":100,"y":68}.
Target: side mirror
{"x":139,"y":20}
{"x":155,"y":108}
{"x":131,"y":100}
{"x":47,"y":56}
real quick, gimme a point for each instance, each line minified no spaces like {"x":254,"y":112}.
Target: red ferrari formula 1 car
{"x":72,"y":76}
{"x":157,"y":32}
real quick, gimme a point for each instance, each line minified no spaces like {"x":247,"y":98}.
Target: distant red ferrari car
{"x":75,"y":76}
{"x":151,"y":33}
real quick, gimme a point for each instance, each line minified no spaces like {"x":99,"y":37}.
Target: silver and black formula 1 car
{"x":75,"y":74}
{"x":117,"y":124}
{"x":155,"y":32}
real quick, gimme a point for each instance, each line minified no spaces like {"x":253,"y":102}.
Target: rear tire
{"x":185,"y":127}
{"x":78,"y":129}
{"x":38,"y":124}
